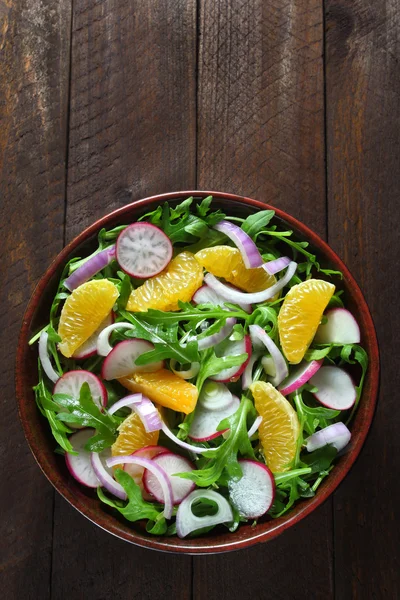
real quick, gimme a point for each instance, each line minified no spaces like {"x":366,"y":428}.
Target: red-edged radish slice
{"x":143,"y":250}
{"x":249,"y":251}
{"x":233,"y":348}
{"x":172,"y":464}
{"x":187,"y":522}
{"x":253,"y":494}
{"x":105,"y":475}
{"x":72,"y":381}
{"x":205,"y":422}
{"x":121,"y":360}
{"x":89,"y":348}
{"x":300,"y":376}
{"x":205,"y":295}
{"x":258,"y":335}
{"x":214,"y":396}
{"x":336,"y":434}
{"x":135,"y":471}
{"x":103,"y":345}
{"x":80,"y":465}
{"x":90,"y":267}
{"x":340,"y":328}
{"x":45,"y":358}
{"x":336,"y":389}
{"x":156,"y":470}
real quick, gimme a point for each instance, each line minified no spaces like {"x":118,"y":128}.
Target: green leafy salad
{"x":199,"y":369}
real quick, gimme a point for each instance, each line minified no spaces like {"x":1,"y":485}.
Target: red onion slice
{"x":157,"y":471}
{"x":220,"y":336}
{"x":89,"y":268}
{"x":103,"y":345}
{"x":236,"y":296}
{"x":187,"y":522}
{"x":194,"y":449}
{"x":45,"y":358}
{"x":143,"y":407}
{"x":336,"y":434}
{"x":187,"y":373}
{"x":275,"y":266}
{"x":258,"y":334}
{"x":105,"y":477}
{"x":250,"y":254}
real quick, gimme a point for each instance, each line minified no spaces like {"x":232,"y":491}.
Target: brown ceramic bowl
{"x":53,"y":466}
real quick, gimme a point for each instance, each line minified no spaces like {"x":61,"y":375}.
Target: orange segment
{"x":83,"y":312}
{"x":179,"y":281}
{"x":300,"y":315}
{"x":132,"y":436}
{"x":279,"y":429}
{"x":227,"y":262}
{"x":165,"y":388}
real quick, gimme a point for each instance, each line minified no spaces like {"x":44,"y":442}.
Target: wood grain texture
{"x":34,"y":43}
{"x":132,"y":127}
{"x":132,"y":134}
{"x":363,"y":99}
{"x":261,"y":103}
{"x":261,"y":133}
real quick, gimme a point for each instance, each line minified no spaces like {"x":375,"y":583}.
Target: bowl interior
{"x":42,"y":443}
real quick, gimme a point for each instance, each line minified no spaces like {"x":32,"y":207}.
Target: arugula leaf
{"x":312,"y":418}
{"x":317,"y":353}
{"x":267,"y":318}
{"x":321,"y":459}
{"x":255,"y":223}
{"x":211,"y":365}
{"x":225,"y":457}
{"x":84,"y":411}
{"x":136,"y":508}
{"x":182,"y":354}
{"x":187,"y":312}
{"x":124,"y":288}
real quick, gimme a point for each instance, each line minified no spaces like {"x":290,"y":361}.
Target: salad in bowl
{"x":200,"y":370}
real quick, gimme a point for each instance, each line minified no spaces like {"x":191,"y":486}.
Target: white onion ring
{"x":257,"y":333}
{"x":103,"y":345}
{"x":188,"y":373}
{"x":45,"y":358}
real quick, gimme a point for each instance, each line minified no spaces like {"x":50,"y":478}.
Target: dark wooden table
{"x":295,"y":103}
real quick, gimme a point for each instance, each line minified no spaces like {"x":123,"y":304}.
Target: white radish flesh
{"x":80,"y":465}
{"x":340,"y":328}
{"x":300,"y":376}
{"x":336,"y":434}
{"x":205,"y":422}
{"x":89,"y":348}
{"x":72,"y":381}
{"x":172,"y":464}
{"x":335,"y":387}
{"x":121,"y":360}
{"x":143,"y":250}
{"x":253,"y":494}
{"x":234,"y":348}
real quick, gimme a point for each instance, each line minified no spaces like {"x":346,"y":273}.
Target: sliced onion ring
{"x":220,"y":336}
{"x":103,"y":345}
{"x":105,"y":478}
{"x":235,"y":296}
{"x":90,"y":267}
{"x":250,"y":254}
{"x":45,"y":358}
{"x":258,"y":334}
{"x":247,"y":377}
{"x":254,"y":427}
{"x":157,"y":471}
{"x":194,"y":449}
{"x":143,"y":407}
{"x":275,"y":266}
{"x":187,"y":373}
{"x":336,"y":434}
{"x":186,"y":521}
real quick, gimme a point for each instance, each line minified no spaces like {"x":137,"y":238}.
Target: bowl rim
{"x":199,"y":545}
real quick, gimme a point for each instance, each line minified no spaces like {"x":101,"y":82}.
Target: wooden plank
{"x":261,"y":134}
{"x":132,"y":133}
{"x":363,"y":127}
{"x":34,"y":51}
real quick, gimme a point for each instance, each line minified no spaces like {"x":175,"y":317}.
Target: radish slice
{"x":153,"y":468}
{"x":275,"y":266}
{"x":45,"y":358}
{"x":205,"y":295}
{"x":336,"y":389}
{"x":135,"y":471}
{"x":205,"y":422}
{"x":258,"y":334}
{"x":103,"y":345}
{"x":89,"y":268}
{"x":104,"y":474}
{"x":143,"y":250}
{"x":186,"y":374}
{"x":254,"y":427}
{"x":250,"y":254}
{"x":336,"y":434}
{"x":247,"y":378}
{"x":121,"y":360}
{"x":71,"y":383}
{"x":80,"y":465}
{"x":187,"y":522}
{"x":172,"y":464}
{"x":341,"y":328}
{"x":253,"y":494}
{"x":217,"y":338}
{"x":144,"y":408}
{"x":89,"y":348}
{"x":233,"y":348}
{"x":215,"y":396}
{"x":300,"y":376}
{"x":236,"y":296}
